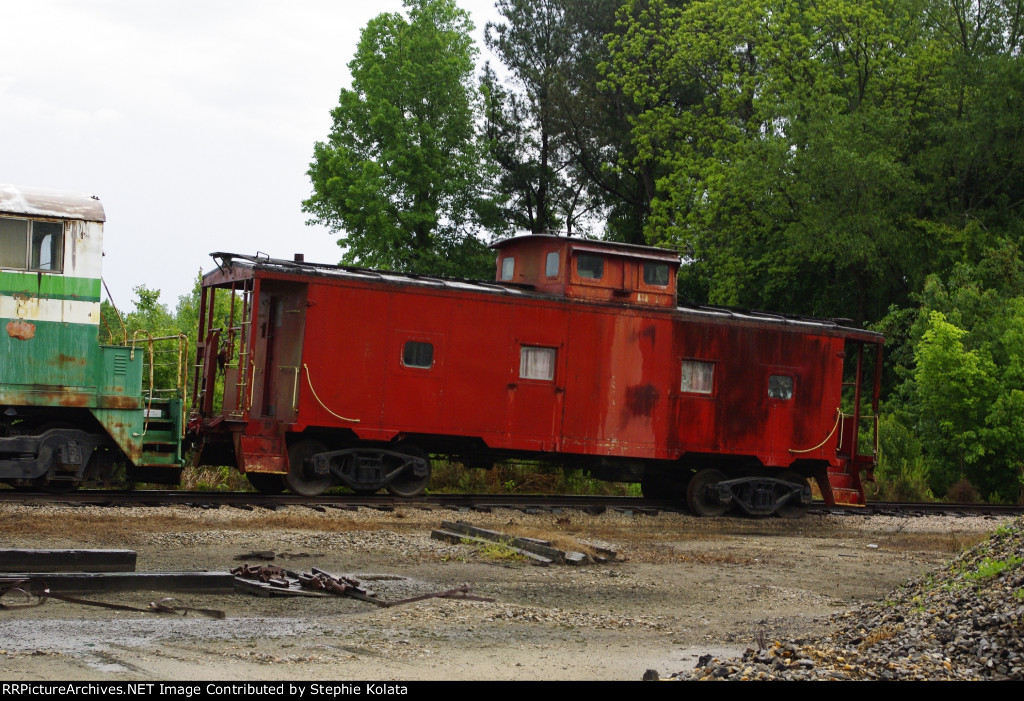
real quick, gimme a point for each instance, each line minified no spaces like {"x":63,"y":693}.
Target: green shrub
{"x":903,"y":472}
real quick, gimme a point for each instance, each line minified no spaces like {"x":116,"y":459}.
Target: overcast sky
{"x":193,"y":122}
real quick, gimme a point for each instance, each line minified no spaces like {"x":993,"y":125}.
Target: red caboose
{"x":577,"y":354}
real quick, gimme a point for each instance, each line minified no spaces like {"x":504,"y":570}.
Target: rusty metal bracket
{"x":33,"y":589}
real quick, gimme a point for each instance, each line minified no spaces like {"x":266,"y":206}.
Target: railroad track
{"x":478,"y":502}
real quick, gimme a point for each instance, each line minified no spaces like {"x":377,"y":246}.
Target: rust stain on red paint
{"x":21,"y":330}
{"x":641,"y":399}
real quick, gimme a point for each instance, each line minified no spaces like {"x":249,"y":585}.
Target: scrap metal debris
{"x":346,"y":586}
{"x":36,"y":593}
{"x":269,"y":580}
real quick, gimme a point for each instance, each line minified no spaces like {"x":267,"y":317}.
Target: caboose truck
{"x":70,"y":409}
{"x":578,"y":354}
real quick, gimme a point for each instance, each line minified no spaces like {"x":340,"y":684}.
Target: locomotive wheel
{"x":698,"y":498}
{"x":407,"y":484}
{"x":300,"y":478}
{"x":793,"y":509}
{"x":44,"y":483}
{"x":265,"y":483}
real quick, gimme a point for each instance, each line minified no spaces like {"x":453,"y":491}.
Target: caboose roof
{"x":234,"y":266}
{"x":57,"y":204}
{"x":614,"y":248}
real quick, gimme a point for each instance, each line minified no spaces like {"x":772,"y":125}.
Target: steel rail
{"x":481,"y":502}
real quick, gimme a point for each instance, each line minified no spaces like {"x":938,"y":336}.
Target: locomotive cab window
{"x":508,"y":268}
{"x":698,"y":377}
{"x":31,"y":245}
{"x":417,"y":354}
{"x":590,"y":266}
{"x":536,"y":363}
{"x":780,"y":387}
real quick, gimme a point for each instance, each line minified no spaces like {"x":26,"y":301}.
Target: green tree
{"x":522,"y":124}
{"x":963,"y":394}
{"x":558,"y":131}
{"x":597,"y":118}
{"x":401,"y":175}
{"x":783,"y":167}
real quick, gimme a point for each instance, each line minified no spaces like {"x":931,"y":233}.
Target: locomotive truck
{"x":311,"y":376}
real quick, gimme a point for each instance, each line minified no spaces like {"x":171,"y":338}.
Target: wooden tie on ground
{"x":538,"y":552}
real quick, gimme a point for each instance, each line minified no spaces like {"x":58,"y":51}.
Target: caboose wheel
{"x":265,"y":483}
{"x":407,"y":484}
{"x":793,"y":508}
{"x":300,"y":478}
{"x":698,"y":494}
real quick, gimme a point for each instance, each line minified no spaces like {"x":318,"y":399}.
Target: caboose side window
{"x":656,"y":274}
{"x":508,"y":268}
{"x":780,"y":387}
{"x":417,"y":354}
{"x":536,"y":363}
{"x":551,"y":264}
{"x":698,"y":377}
{"x":31,"y":245}
{"x":590,"y":266}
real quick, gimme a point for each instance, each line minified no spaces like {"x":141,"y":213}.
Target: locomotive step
{"x":160,"y":460}
{"x":151,"y":436}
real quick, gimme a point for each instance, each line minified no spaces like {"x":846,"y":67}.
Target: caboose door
{"x":536,"y":382}
{"x":281,"y":321}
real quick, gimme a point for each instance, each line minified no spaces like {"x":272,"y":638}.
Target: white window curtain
{"x":536,"y":363}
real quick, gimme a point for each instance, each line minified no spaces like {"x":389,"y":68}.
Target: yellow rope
{"x":839,"y":417}
{"x":309,"y":380}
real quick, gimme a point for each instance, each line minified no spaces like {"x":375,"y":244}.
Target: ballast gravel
{"x":961,"y":621}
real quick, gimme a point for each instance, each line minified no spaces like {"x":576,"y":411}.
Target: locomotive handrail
{"x":182,"y":339}
{"x":124,"y":329}
{"x":309,"y":379}
{"x":149,"y":398}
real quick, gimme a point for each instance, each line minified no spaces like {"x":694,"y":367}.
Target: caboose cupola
{"x":590,"y":269}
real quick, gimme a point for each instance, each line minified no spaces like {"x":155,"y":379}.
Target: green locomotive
{"x":71,"y":410}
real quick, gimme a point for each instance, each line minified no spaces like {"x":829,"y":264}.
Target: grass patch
{"x":498,"y":552}
{"x":214,"y":479}
{"x":522,"y":477}
{"x":989,"y":568}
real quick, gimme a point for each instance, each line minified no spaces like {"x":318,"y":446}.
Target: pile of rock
{"x":964,"y":621}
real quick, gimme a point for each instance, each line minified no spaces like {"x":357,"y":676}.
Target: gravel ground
{"x":964,"y":621}
{"x":681,"y":589}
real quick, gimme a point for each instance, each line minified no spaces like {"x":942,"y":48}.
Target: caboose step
{"x":847,"y":496}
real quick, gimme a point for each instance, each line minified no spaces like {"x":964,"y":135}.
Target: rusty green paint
{"x":37,"y":284}
{"x":55,"y":355}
